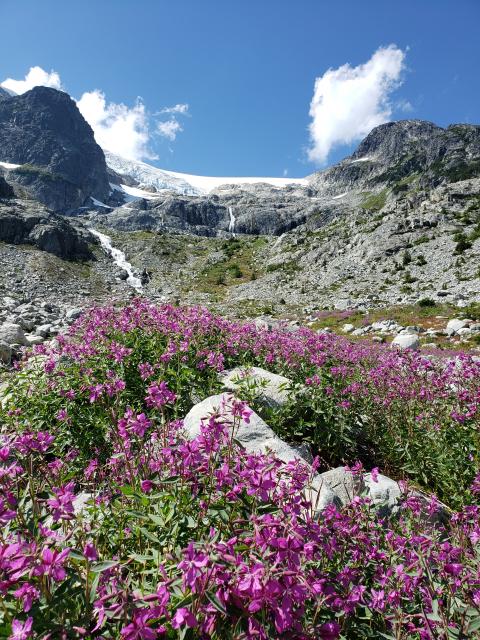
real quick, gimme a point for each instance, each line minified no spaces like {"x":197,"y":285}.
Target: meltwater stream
{"x":119,"y":259}
{"x":231,"y":224}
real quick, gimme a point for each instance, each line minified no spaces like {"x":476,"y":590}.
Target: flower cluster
{"x":115,"y":525}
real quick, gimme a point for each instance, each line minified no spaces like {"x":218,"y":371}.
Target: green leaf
{"x":127,"y":490}
{"x":93,"y":587}
{"x":98,"y":567}
{"x":157,"y":519}
{"x":150,"y":536}
{"x":212,"y":598}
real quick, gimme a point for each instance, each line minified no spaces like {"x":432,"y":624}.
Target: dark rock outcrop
{"x":22,"y":224}
{"x":62,"y":165}
{"x":6,"y":190}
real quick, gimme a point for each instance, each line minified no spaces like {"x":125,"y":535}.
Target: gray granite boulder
{"x":271,"y":388}
{"x":256,"y":437}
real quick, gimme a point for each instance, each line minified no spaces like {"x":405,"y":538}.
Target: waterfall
{"x":119,"y":259}
{"x":231,"y":224}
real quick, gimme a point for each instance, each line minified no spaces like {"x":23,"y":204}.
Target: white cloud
{"x":35,"y":77}
{"x":181,"y":109}
{"x":349,"y":101}
{"x":118,"y":128}
{"x":169,"y":129}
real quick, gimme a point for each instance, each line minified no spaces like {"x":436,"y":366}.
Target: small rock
{"x":5,"y":353}
{"x":455,"y":325}
{"x":33,"y":339}
{"x":73,"y":314}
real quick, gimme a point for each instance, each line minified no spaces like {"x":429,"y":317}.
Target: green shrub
{"x":426,"y":302}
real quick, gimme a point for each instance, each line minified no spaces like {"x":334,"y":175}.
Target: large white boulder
{"x":270,"y":388}
{"x":255,"y":436}
{"x":406,"y":341}
{"x":382,"y":491}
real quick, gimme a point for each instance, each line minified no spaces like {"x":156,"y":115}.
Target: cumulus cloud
{"x":36,"y":77}
{"x":349,"y":101}
{"x":169,"y":129}
{"x":118,"y":128}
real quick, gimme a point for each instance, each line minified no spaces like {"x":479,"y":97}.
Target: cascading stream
{"x":119,"y":259}
{"x":231,"y":224}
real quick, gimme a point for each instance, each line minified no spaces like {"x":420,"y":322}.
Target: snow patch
{"x":341,"y":195}
{"x":97,"y":203}
{"x":135,"y":192}
{"x":185,"y":183}
{"x":365,"y":159}
{"x":9,"y":165}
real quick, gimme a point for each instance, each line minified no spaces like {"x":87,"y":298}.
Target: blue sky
{"x":247,"y":70}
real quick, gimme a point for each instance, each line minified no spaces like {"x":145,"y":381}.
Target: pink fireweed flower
{"x":192,"y":567}
{"x":453,"y":569}
{"x":159,"y":395}
{"x":330,"y":631}
{"x":4,"y":454}
{"x":96,"y":392}
{"x":139,"y":628}
{"x":62,"y":415}
{"x":51,"y":564}
{"x":90,"y":552}
{"x":241,"y":410}
{"x":183,"y":617}
{"x":6,"y":513}
{"x":21,"y":630}
{"x":62,"y":504}
{"x":118,"y":352}
{"x":27,"y":593}
{"x":29,"y":442}
{"x":146,"y":486}
{"x":146,"y":370}
{"x":91,"y":468}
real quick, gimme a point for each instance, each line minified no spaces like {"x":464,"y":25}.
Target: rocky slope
{"x":397,"y":221}
{"x":61,"y":165}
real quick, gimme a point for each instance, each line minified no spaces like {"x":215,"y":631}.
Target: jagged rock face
{"x":397,"y":151}
{"x":20,"y":224}
{"x":63,"y":165}
{"x":4,"y":94}
{"x":257,"y":209}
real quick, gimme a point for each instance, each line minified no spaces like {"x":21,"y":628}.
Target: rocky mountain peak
{"x":392,"y":139}
{"x":62,"y":165}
